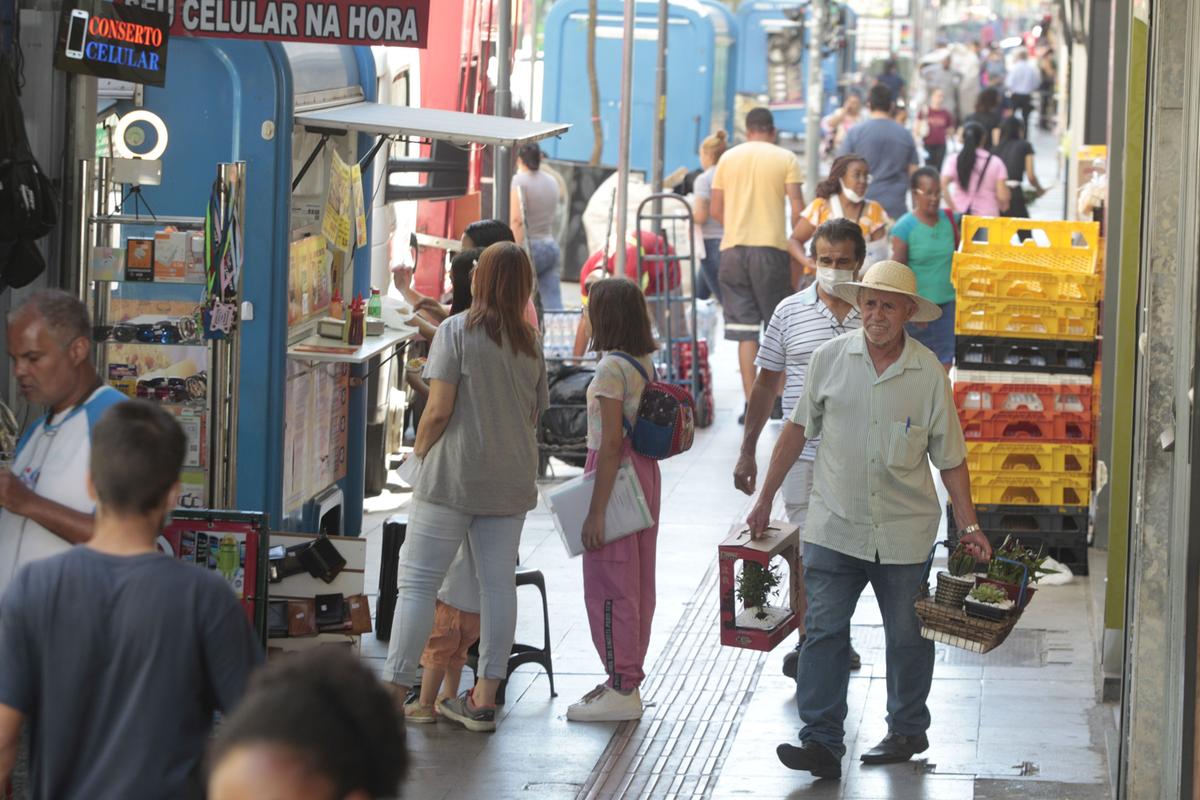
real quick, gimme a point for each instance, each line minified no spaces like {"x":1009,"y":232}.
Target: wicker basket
{"x":952,"y":626}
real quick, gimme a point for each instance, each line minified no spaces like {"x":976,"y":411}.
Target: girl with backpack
{"x":618,"y":577}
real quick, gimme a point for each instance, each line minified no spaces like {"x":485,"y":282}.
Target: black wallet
{"x":331,"y":612}
{"x":321,"y":558}
{"x":284,"y":563}
{"x":277,"y":619}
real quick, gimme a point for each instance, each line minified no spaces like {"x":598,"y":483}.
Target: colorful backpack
{"x":666,"y":417}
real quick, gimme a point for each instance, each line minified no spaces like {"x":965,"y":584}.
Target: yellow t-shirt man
{"x":753,"y":177}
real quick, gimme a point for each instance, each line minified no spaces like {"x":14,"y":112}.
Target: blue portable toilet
{"x":700,"y":42}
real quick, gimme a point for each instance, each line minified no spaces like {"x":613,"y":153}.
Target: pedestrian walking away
{"x":754,"y":183}
{"x":987,"y":115}
{"x":889,"y":149}
{"x":708,"y":283}
{"x":884,"y":410}
{"x":925,"y":241}
{"x":618,"y":576}
{"x":841,"y":196}
{"x":935,"y":126}
{"x":479,"y":457}
{"x":1017,"y":154}
{"x":534,"y":206}
{"x":1022,"y":83}
{"x":800,"y":325}
{"x":975,"y":181}
{"x":118,"y":656}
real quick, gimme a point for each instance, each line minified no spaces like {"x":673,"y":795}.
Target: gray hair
{"x":64,"y":314}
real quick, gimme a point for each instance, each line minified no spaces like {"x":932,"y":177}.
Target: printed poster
{"x":360,"y":210}
{"x":335,"y":221}
{"x":310,"y":283}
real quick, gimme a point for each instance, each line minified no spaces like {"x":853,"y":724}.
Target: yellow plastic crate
{"x":1070,"y":459}
{"x":1056,"y":245}
{"x":1026,"y":319}
{"x":981,"y":276}
{"x":1030,"y":488}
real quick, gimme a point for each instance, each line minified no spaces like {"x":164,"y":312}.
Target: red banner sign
{"x":397,"y":23}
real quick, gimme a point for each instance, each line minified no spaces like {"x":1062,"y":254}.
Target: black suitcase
{"x":395,"y":528}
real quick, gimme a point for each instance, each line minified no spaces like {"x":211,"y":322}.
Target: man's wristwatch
{"x":974,"y":528}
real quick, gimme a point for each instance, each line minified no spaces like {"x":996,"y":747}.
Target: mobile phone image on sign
{"x":77,"y":33}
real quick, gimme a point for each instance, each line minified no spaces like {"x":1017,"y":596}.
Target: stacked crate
{"x":1026,"y":327}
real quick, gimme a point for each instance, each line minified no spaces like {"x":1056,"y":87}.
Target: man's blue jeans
{"x":832,"y":584}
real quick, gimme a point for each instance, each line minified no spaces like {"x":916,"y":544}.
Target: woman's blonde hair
{"x":715,"y":145}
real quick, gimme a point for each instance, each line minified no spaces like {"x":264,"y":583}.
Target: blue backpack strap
{"x":641,"y":371}
{"x":636,"y":364}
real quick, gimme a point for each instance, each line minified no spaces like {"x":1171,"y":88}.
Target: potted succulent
{"x":1010,"y":564}
{"x":756,"y":585}
{"x":989,"y":602}
{"x":957,"y":579}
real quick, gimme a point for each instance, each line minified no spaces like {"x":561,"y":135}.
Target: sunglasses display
{"x":174,"y":390}
{"x":179,"y":331}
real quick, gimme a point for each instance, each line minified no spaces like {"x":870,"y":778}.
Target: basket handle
{"x":1024,"y":580}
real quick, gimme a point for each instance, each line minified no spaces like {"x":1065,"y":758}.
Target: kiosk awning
{"x":459,"y":127}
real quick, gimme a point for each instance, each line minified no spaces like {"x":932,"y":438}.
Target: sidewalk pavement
{"x":1021,"y":722}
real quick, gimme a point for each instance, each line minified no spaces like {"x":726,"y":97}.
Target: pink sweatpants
{"x":618,"y":587}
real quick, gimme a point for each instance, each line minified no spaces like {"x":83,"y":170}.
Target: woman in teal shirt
{"x":924,"y":239}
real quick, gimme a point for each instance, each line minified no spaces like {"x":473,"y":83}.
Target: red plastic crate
{"x":988,"y":425}
{"x":1050,"y":398}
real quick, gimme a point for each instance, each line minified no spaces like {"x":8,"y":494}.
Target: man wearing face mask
{"x":884,"y":408}
{"x":801,"y":324}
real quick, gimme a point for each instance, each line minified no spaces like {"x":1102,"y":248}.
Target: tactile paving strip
{"x":699,"y":691}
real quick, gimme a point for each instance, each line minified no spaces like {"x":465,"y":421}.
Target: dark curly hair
{"x":332,"y":711}
{"x":833,"y":183}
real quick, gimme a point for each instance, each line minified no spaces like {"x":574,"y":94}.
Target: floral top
{"x":872,"y":218}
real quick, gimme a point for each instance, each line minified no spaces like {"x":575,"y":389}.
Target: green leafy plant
{"x":988,"y":594}
{"x":756,"y":584}
{"x":1012,"y":550}
{"x":961,"y":562}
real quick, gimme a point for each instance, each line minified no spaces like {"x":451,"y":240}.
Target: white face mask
{"x":851,"y":195}
{"x":827,"y":277}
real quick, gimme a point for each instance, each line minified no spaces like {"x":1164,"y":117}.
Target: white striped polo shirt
{"x":800,"y":325}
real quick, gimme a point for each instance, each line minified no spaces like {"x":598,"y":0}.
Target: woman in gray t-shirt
{"x":533,"y":208}
{"x":477,"y":476}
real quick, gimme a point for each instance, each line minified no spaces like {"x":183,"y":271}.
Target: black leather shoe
{"x":810,"y":757}
{"x":896,"y":748}
{"x":791,"y":661}
{"x":855,"y":659}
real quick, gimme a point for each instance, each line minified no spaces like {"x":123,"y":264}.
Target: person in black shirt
{"x":1017,"y":155}
{"x":987,"y":114}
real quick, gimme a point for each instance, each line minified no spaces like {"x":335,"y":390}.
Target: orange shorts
{"x":454,"y":632}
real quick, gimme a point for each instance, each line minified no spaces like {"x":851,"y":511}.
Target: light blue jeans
{"x":546,"y":256}
{"x":435,"y":533}
{"x":832,"y":585}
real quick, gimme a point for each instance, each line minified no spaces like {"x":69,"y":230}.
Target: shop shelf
{"x":1031,"y":488}
{"x":1008,"y":457}
{"x":1057,"y":245}
{"x":1061,"y":530}
{"x":1045,"y":426}
{"x":981,"y":276}
{"x":1026,"y":318}
{"x":1033,"y":355}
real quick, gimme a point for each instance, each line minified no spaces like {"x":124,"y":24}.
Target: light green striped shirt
{"x":873,"y":491}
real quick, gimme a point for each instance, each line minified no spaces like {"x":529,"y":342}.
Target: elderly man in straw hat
{"x":883,"y":407}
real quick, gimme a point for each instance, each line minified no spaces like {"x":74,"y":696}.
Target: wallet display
{"x":277,"y":619}
{"x":331,"y":612}
{"x":359,"y":612}
{"x":302,"y":617}
{"x":318,"y":557}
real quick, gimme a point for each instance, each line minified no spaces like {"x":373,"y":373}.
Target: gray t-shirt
{"x":702,"y":187}
{"x":118,"y":664}
{"x":541,"y":201}
{"x":486,"y":461}
{"x":888,"y":149}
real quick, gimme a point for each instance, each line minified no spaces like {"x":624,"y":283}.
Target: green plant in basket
{"x":756,"y":584}
{"x":1012,"y":550}
{"x":961,"y":563}
{"x":985,"y":593}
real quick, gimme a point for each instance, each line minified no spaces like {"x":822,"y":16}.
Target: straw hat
{"x":890,"y":276}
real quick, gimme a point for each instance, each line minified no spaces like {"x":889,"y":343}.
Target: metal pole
{"x":623,"y":147}
{"x":501,"y":157}
{"x":533,"y":58}
{"x":812,"y":130}
{"x":660,"y":109}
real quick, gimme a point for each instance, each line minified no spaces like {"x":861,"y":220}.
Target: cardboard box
{"x":108,"y":264}
{"x":123,"y":378}
{"x":171,"y":249}
{"x":139,"y":259}
{"x":195,"y":258}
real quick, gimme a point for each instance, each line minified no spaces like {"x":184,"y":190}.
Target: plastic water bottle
{"x":375,"y":304}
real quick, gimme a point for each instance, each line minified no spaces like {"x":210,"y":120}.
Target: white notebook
{"x":627,"y":512}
